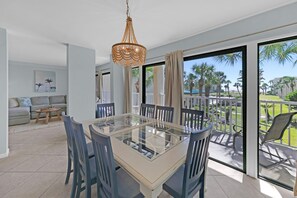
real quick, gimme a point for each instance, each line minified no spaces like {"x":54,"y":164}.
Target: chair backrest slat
{"x":192,"y":118}
{"x":81,"y":147}
{"x":69,"y":133}
{"x":164,"y":113}
{"x":197,"y":155}
{"x":105,"y":166}
{"x":278,"y":127}
{"x":105,"y":110}
{"x":147,"y":110}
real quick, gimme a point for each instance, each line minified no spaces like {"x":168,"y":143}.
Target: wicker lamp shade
{"x":128,"y":53}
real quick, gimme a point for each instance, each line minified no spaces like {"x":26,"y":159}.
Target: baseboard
{"x":4,"y":154}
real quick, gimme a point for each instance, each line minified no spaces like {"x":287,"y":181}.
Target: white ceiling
{"x":39,"y":29}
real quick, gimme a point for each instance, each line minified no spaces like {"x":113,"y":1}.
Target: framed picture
{"x":45,"y":81}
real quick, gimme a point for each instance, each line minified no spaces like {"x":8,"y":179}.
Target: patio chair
{"x":111,"y":183}
{"x":192,"y":118}
{"x":275,"y":132}
{"x":164,"y":113}
{"x":70,"y":151}
{"x":190,"y":178}
{"x":85,"y":166}
{"x":105,"y":110}
{"x":147,"y":110}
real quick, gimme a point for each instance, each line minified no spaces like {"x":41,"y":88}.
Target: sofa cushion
{"x":40,"y":100}
{"x":18,"y":111}
{"x":59,"y":106}
{"x":57,"y":100}
{"x":24,"y":102}
{"x":13,"y":102}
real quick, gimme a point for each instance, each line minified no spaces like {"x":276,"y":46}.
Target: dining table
{"x":149,"y":150}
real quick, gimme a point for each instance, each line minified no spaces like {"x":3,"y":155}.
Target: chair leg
{"x":74,"y":181}
{"x":68,"y":169}
{"x":88,"y":188}
{"x":78,"y":190}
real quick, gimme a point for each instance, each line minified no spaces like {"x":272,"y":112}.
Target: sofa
{"x":21,"y":110}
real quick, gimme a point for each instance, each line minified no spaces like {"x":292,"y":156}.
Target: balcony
{"x":226,"y":114}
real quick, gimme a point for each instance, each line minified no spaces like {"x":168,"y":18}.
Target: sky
{"x":272,"y":69}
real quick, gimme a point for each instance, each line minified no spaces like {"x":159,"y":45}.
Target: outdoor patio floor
{"x":221,"y":148}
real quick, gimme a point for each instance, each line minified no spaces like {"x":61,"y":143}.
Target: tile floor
{"x":37,"y":162}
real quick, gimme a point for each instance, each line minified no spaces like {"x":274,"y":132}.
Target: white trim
{"x":3,"y":155}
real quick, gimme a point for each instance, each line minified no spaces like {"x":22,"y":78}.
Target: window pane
{"x":213,"y":84}
{"x":135,"y":90}
{"x":278,"y":95}
{"x":154,"y":85}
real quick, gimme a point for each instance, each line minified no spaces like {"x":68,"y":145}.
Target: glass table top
{"x":116,"y":123}
{"x":153,"y":139}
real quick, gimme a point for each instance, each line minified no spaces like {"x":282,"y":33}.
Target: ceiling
{"x":38,"y":30}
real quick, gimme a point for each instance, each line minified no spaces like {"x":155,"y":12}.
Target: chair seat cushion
{"x":127,"y":186}
{"x":174,"y":185}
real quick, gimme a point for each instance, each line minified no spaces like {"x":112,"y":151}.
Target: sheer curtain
{"x":174,"y":82}
{"x":128,"y":90}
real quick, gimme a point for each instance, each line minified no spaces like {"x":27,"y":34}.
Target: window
{"x":135,"y":90}
{"x":277,"y":83}
{"x":215,"y":83}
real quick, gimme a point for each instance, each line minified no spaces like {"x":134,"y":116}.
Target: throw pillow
{"x":13,"y":103}
{"x":24,"y":102}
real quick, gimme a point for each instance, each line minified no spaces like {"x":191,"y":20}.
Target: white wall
{"x":4,"y":94}
{"x":81,"y":82}
{"x":21,"y":79}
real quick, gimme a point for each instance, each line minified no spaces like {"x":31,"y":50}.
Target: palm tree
{"x":237,"y":85}
{"x":229,"y":59}
{"x":227,"y":86}
{"x":220,"y":78}
{"x":264,"y":87}
{"x":279,"y":86}
{"x":201,"y":70}
{"x":209,"y":80}
{"x":190,"y":78}
{"x":290,"y":82}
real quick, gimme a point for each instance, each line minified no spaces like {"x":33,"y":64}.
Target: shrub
{"x":291,"y":96}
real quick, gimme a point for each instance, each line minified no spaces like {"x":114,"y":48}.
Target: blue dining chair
{"x":111,"y":183}
{"x":70,"y":151}
{"x":147,"y":110}
{"x":190,"y":178}
{"x":192,"y":118}
{"x":164,"y":113}
{"x":105,"y":110}
{"x":86,"y":168}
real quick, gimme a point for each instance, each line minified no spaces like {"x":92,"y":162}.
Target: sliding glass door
{"x":215,"y":84}
{"x":277,"y":97}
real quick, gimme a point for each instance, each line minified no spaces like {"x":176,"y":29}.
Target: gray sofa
{"x":22,"y":115}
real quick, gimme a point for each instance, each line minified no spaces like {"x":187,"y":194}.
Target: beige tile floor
{"x":36,"y":167}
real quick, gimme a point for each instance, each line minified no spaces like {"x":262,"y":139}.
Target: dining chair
{"x":147,"y":110}
{"x":105,"y":110}
{"x":192,"y":118}
{"x":85,"y":166}
{"x":164,"y":113}
{"x":190,"y":178}
{"x":111,"y":183}
{"x":70,"y":151}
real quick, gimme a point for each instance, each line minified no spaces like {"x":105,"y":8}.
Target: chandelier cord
{"x":128,"y":11}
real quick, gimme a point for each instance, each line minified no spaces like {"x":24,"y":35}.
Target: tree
{"x":227,"y":86}
{"x":220,"y":78}
{"x":237,"y":85}
{"x":264,"y":87}
{"x":190,"y":78}
{"x":229,"y":59}
{"x":201,"y":70}
{"x":290,"y":82}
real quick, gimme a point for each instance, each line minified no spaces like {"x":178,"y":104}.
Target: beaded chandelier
{"x":128,"y":53}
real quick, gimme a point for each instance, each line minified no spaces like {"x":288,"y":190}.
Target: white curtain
{"x":128,"y":90}
{"x":99,"y":84}
{"x":174,"y":82}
